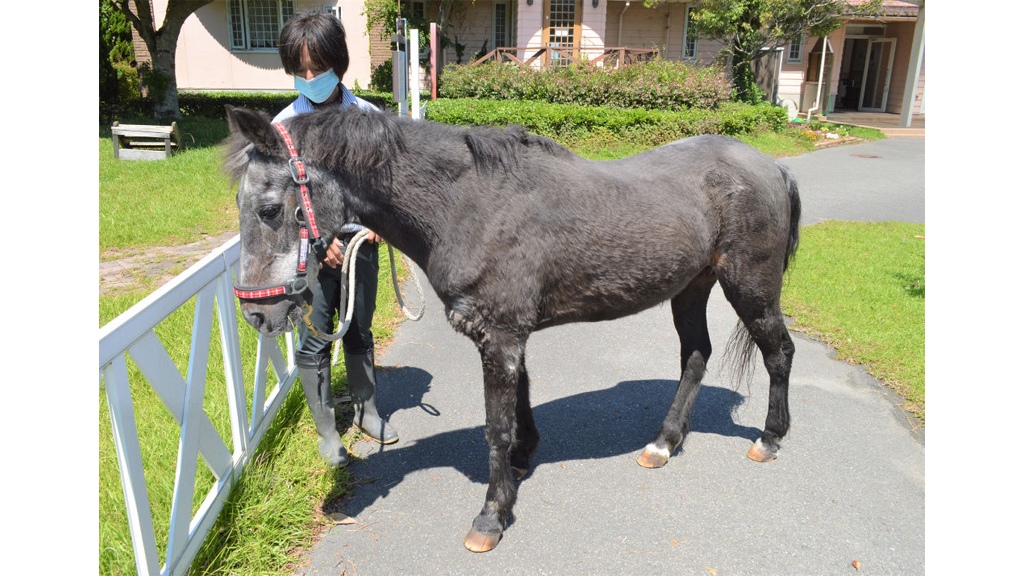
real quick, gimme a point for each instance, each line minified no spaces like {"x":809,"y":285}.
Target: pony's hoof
{"x":477,"y":542}
{"x":758,"y":452}
{"x":653,"y":457}
{"x":520,"y":473}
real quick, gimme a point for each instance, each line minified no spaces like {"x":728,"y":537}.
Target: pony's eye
{"x":268,"y":211}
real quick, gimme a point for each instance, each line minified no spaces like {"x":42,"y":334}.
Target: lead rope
{"x":350,"y":252}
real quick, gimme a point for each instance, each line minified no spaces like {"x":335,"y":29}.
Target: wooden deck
{"x":889,"y":124}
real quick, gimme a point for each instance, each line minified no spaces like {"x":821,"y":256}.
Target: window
{"x":256,"y":24}
{"x":689,"y":35}
{"x":795,"y":51}
{"x":502,"y":32}
{"x":335,"y":10}
{"x":418,"y":11}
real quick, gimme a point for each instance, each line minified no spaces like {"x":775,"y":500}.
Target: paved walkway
{"x":849,"y":483}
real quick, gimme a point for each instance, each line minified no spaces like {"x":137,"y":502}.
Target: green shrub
{"x":655,"y":85}
{"x":210,"y":104}
{"x":382,"y":76}
{"x":571,"y":122}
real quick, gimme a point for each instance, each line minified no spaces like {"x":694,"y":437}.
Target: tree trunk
{"x":161,"y":81}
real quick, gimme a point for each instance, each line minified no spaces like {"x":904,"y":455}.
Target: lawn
{"x":859,"y":288}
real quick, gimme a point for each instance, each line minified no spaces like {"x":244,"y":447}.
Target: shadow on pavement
{"x":591,"y":425}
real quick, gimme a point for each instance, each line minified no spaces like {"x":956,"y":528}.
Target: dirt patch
{"x":155,"y":267}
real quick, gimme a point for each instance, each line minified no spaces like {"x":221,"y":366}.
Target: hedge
{"x":211,"y":104}
{"x":654,"y":85}
{"x":565,"y":122}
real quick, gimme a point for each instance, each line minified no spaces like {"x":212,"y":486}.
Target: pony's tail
{"x":794,"y":214}
{"x":738,"y":360}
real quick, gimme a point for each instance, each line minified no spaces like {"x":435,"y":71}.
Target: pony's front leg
{"x":501,"y":358}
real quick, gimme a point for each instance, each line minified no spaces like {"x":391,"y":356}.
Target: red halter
{"x":297,"y":284}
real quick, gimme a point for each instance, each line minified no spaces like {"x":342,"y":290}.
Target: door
{"x":562,"y":29}
{"x":877,"y":74}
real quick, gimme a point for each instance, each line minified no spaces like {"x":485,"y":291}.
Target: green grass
{"x":166,"y":202}
{"x":859,"y":287}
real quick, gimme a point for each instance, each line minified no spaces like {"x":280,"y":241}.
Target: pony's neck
{"x":410,"y":218}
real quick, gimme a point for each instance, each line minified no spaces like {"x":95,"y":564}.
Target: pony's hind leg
{"x":689,"y":314}
{"x":527,"y":436}
{"x":759,"y":310}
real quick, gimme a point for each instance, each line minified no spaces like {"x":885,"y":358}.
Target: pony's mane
{"x":364,"y":141}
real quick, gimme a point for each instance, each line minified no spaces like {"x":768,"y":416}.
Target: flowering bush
{"x":816,"y":130}
{"x":654,"y":85}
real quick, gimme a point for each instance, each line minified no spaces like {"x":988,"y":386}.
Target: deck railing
{"x":132,"y":334}
{"x":552,"y":56}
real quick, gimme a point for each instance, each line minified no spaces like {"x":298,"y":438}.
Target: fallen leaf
{"x":856,"y":564}
{"x":340,"y":518}
{"x":918,"y":236}
{"x":713,"y":572}
{"x":674,"y":543}
{"x":563,"y":466}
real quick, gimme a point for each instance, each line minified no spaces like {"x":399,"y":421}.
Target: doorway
{"x":866,"y":73}
{"x":562,"y":29}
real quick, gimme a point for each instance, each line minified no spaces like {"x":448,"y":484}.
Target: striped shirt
{"x":302,"y":105}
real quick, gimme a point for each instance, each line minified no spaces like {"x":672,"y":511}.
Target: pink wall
{"x":204,"y":61}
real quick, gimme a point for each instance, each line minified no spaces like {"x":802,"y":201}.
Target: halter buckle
{"x":298,"y":170}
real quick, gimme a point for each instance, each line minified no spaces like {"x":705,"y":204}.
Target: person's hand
{"x":373,"y":236}
{"x":335,"y":254}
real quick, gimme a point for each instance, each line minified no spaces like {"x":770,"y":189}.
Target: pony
{"x":516,"y":234}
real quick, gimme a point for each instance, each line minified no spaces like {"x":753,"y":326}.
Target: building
{"x":868,"y":64}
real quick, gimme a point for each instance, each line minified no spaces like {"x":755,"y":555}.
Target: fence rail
{"x":548,"y":55}
{"x":132,"y":335}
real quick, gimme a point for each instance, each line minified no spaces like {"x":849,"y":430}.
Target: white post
{"x":414,"y":72}
{"x":913,"y":71}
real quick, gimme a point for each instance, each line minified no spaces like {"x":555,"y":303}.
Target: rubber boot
{"x":362,"y":383}
{"x":315,"y":374}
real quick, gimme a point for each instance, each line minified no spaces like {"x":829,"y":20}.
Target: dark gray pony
{"x":517,"y":234}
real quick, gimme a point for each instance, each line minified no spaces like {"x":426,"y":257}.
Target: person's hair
{"x":323,"y":36}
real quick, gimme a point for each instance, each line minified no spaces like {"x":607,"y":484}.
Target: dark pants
{"x":329,"y":291}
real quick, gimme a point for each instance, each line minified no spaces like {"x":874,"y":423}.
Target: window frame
{"x":335,"y":10}
{"x":687,"y":21}
{"x":241,"y":28}
{"x":789,"y":51}
{"x":494,"y":25}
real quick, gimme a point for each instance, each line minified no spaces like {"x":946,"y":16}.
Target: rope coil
{"x":348,"y":269}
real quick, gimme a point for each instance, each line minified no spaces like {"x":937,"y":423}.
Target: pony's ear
{"x":255,"y":127}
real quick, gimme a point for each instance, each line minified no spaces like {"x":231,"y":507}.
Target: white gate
{"x":132,"y":333}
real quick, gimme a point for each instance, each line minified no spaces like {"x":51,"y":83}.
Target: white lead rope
{"x":347,"y":268}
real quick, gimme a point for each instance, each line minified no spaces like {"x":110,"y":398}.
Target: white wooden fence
{"x":132,"y":334}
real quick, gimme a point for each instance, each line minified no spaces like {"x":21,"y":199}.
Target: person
{"x":313,"y":49}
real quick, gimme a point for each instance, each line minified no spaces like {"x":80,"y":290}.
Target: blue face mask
{"x":319,"y":88}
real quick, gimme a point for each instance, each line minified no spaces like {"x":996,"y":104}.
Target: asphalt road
{"x":849,"y":483}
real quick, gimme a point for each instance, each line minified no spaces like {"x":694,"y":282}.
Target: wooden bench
{"x":144,"y":142}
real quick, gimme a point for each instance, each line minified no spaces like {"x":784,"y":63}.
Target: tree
{"x":115,"y":47}
{"x":159,"y":79}
{"x":753,"y":28}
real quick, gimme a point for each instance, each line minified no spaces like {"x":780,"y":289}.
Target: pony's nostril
{"x":257,"y":320}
